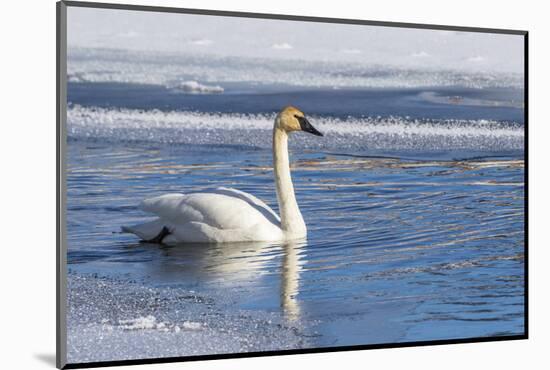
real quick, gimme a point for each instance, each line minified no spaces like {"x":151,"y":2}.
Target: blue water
{"x":415,"y":216}
{"x":497,"y":104}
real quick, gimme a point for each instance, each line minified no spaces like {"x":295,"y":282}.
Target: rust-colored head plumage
{"x":292,"y":119}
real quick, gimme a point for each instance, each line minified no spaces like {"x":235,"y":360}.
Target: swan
{"x":226,"y":215}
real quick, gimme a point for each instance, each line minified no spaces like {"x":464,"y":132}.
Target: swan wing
{"x":253,"y":201}
{"x":223,"y":209}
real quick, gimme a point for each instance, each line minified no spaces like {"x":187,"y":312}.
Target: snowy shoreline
{"x":111,"y":319}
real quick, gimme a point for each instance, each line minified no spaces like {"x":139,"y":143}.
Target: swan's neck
{"x":292,"y":223}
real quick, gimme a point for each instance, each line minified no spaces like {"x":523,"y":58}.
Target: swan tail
{"x":149,"y":230}
{"x":160,"y":237}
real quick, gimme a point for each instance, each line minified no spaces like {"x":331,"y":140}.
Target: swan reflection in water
{"x":233,"y":265}
{"x":290,"y":279}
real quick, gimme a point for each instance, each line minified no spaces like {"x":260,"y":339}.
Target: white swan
{"x":229,"y":215}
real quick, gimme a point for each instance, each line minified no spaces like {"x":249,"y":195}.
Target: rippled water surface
{"x":399,"y":249}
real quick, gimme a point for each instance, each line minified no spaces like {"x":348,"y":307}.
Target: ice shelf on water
{"x":187,"y":127}
{"x":112,"y":319}
{"x":193,"y":87}
{"x":167,"y":69}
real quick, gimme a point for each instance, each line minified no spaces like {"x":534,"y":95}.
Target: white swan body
{"x":228,"y":215}
{"x":219,"y":216}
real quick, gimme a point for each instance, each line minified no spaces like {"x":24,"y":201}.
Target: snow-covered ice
{"x":111,"y":319}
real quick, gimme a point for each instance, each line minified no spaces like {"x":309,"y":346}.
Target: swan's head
{"x":292,"y":119}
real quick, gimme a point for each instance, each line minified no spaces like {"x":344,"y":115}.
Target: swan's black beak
{"x":307,"y":127}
